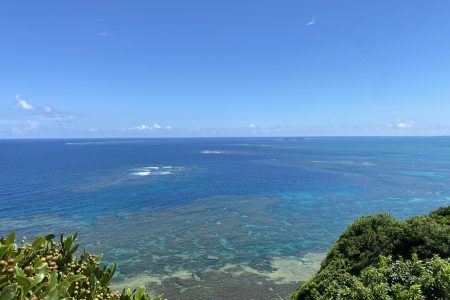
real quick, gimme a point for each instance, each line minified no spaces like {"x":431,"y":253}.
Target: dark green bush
{"x":441,"y":215}
{"x":388,"y":279}
{"x":365,"y":240}
{"x":45,"y":269}
{"x":379,"y":257}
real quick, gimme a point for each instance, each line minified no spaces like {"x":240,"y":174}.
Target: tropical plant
{"x":45,"y":269}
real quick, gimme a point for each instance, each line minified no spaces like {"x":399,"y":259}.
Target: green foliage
{"x":441,"y":215}
{"x":379,"y":257}
{"x":365,"y":240}
{"x":45,"y":269}
{"x":388,"y":279}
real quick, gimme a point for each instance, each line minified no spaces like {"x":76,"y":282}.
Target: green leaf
{"x":25,"y":282}
{"x":74,"y":278}
{"x":53,"y":280}
{"x":99,"y":258}
{"x":3,"y":250}
{"x":64,"y":286}
{"x":37,"y":243}
{"x":74,"y":249}
{"x":9,"y":292}
{"x":53,"y":294}
{"x":140,"y":293}
{"x":19,"y":271}
{"x":10,"y":239}
{"x":50,"y":236}
{"x":68,"y":242}
{"x":106,"y":274}
{"x":19,"y":257}
{"x":41,"y":275}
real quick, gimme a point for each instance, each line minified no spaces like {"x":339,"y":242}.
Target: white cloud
{"x":311,"y":22}
{"x":25,"y":105}
{"x":103,"y":34}
{"x":404,"y":125}
{"x":46,"y":111}
{"x":252,"y":125}
{"x":144,"y":127}
{"x":168,"y":127}
{"x":141,"y":127}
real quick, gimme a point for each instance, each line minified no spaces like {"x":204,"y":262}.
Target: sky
{"x":166,"y":68}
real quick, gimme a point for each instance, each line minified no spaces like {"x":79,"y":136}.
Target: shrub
{"x":379,"y":257}
{"x":365,"y":240}
{"x":45,"y":269}
{"x":389,"y":279}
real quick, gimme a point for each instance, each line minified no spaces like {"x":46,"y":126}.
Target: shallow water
{"x":216,"y":218}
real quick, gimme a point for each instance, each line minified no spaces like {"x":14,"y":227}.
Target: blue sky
{"x":224,"y":68}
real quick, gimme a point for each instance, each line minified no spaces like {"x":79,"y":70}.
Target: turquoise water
{"x":235,"y":218}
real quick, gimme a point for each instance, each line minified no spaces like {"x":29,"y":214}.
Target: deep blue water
{"x":161,"y":206}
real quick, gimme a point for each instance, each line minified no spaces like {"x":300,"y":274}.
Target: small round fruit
{"x":28,"y":269}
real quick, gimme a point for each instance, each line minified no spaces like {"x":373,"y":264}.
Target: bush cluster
{"x":45,"y":269}
{"x":379,"y":257}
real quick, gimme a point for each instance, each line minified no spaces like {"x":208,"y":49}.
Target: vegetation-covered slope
{"x":379,"y":257}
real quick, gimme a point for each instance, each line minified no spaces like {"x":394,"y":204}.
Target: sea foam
{"x":211,"y":152}
{"x":154,"y":171}
{"x":141,"y":173}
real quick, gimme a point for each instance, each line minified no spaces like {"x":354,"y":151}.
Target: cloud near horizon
{"x":31,"y":126}
{"x":144,"y":127}
{"x":402,"y":125}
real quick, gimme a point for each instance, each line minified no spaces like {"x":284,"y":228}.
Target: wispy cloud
{"x":31,"y":126}
{"x":144,"y":127}
{"x":24,"y":104}
{"x":103,"y":34}
{"x":311,"y":22}
{"x":46,"y":111}
{"x":56,"y":115}
{"x":252,"y":126}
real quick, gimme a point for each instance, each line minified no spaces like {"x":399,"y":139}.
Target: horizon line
{"x":229,"y":137}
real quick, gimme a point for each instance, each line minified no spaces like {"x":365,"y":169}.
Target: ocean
{"x":216,"y":218}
